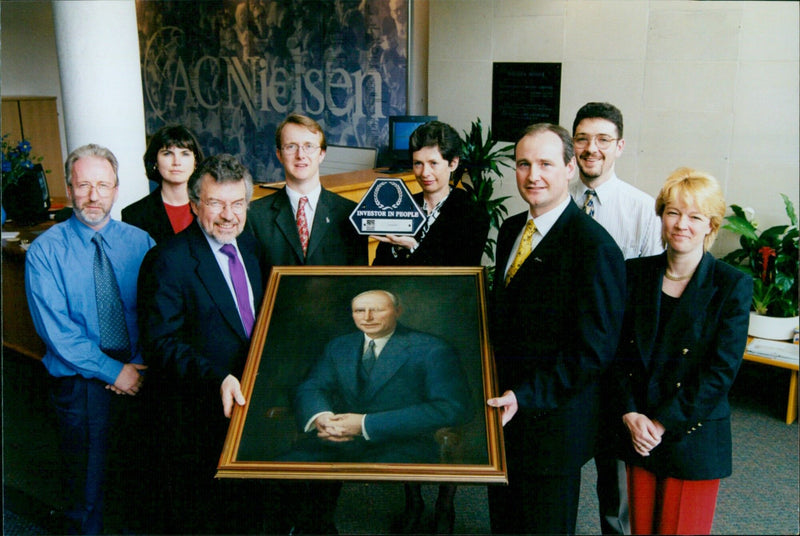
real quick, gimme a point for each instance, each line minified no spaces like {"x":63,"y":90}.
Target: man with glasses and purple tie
{"x":199,"y":294}
{"x":80,"y":281}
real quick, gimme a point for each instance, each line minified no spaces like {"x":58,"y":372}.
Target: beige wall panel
{"x":767,"y":111}
{"x":595,"y":30}
{"x":697,"y":31}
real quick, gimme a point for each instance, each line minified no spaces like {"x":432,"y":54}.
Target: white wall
{"x":710,"y":85}
{"x":29,"y":63}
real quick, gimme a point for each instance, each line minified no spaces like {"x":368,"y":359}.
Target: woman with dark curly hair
{"x":170,"y":158}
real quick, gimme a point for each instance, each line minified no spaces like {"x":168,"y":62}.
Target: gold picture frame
{"x":306,"y":307}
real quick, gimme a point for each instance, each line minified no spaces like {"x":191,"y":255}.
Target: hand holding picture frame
{"x":308,"y":339}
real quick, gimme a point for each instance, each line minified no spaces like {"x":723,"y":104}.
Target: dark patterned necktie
{"x":368,"y":359}
{"x":588,"y":205}
{"x":114,"y":339}
{"x":239,"y":280}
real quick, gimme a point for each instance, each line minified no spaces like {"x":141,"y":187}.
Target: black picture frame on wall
{"x":524,"y":94}
{"x":304,"y":309}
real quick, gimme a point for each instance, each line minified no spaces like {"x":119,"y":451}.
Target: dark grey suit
{"x":192,"y":338}
{"x":555,"y":331}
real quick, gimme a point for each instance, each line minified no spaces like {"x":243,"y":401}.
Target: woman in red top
{"x":171,"y":157}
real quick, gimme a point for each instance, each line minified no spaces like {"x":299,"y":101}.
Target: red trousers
{"x":670,"y":505}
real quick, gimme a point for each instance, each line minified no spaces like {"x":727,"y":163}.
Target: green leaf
{"x":790,"y":210}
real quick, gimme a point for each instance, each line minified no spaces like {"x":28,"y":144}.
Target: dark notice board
{"x":523,"y":94}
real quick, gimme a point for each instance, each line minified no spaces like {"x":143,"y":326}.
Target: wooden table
{"x":791,"y":407}
{"x":18,"y":331}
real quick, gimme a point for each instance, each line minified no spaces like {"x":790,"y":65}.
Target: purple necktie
{"x":239,"y":280}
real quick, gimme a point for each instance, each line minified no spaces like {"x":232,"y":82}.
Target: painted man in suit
{"x":303,"y":223}
{"x":557,"y":313}
{"x":199,"y":292}
{"x":379,"y":394}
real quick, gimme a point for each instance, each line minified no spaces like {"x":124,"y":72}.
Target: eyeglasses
{"x":602,"y":142}
{"x":216,"y":207}
{"x":292,"y":148}
{"x":85,"y":188}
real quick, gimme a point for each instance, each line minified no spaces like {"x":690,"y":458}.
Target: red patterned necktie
{"x":302,"y":223}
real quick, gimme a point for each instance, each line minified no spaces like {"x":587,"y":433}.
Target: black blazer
{"x":192,"y":338}
{"x":684,"y":382}
{"x":189,"y":321}
{"x":555,"y":329}
{"x":333,"y":239}
{"x":456,"y":238}
{"x":149,"y":214}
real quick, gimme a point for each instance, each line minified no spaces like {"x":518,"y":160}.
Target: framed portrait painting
{"x":323,"y":402}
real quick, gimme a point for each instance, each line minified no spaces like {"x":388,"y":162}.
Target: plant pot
{"x":772,"y":327}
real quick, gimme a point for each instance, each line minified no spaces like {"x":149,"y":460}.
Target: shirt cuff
{"x":310,"y":423}
{"x":364,"y":427}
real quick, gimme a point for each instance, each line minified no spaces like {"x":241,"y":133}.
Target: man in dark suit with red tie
{"x":303,"y":223}
{"x":557,"y":309}
{"x":199,"y":293}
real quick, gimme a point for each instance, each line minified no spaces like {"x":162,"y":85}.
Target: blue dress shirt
{"x":59,"y":284}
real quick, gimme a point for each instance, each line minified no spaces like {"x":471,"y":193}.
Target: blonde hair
{"x":698,"y":188}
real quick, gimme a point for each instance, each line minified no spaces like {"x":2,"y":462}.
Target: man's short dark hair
{"x":221,"y":168}
{"x":599,"y":110}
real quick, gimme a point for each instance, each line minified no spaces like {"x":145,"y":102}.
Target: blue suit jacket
{"x":683,"y":382}
{"x":416,"y":387}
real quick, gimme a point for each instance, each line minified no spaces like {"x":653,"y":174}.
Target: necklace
{"x":676,"y":278}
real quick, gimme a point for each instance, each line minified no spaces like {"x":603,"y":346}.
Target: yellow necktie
{"x":523,"y":251}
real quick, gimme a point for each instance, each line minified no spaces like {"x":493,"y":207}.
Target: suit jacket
{"x":456,"y":238}
{"x":682,"y":379}
{"x":191,"y":332}
{"x":189,"y":318}
{"x":149,"y":214}
{"x":416,"y":387}
{"x":333,"y":239}
{"x":555,"y":329}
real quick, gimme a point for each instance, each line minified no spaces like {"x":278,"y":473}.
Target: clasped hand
{"x":129,"y":380}
{"x":338,"y":427}
{"x":645,"y":433}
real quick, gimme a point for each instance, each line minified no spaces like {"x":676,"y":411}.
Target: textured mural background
{"x":232,"y":70}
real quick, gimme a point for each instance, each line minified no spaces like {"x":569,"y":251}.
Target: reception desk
{"x":18,"y":331}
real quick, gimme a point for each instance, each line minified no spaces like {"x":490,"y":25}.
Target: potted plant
{"x":25,"y":196}
{"x":771,"y":259}
{"x":481,"y":163}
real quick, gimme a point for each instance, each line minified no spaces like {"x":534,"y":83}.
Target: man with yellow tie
{"x":557,"y":307}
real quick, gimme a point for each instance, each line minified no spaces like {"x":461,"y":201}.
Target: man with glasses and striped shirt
{"x":629,"y":216}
